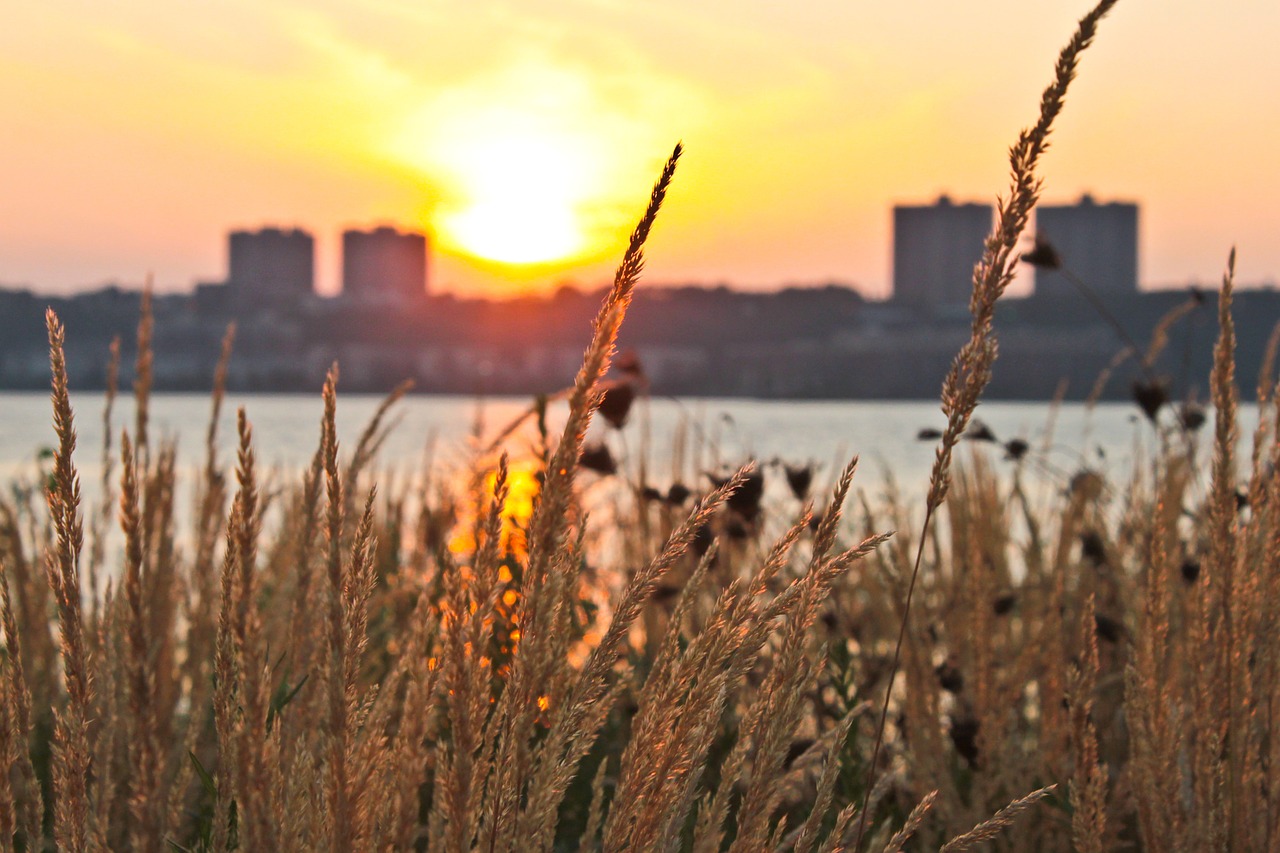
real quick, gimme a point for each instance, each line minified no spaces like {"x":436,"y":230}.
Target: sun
{"x":533,"y":164}
{"x":521,"y":195}
{"x":522,"y":163}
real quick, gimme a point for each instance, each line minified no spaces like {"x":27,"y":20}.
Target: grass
{"x":310,"y":662}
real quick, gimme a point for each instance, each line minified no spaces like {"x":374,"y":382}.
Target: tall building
{"x":1097,"y":242}
{"x":384,"y":265}
{"x":271,"y":265}
{"x":935,"y":248}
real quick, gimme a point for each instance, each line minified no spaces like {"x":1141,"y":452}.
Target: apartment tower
{"x":935,"y":248}
{"x":384,"y":265}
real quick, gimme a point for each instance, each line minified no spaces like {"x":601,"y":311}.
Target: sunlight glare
{"x":533,"y":164}
{"x":523,"y":198}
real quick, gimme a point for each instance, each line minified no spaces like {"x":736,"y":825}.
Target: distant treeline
{"x":823,"y":342}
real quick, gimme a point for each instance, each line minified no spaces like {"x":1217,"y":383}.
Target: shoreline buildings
{"x":812,"y":343}
{"x":1097,"y":242}
{"x":384,"y":265}
{"x":270,"y":266}
{"x":935,"y":248}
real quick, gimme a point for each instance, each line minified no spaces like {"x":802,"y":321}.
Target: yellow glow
{"x":803,"y":123}
{"x":531,"y":164}
{"x":523,"y":196}
{"x":522,"y":490}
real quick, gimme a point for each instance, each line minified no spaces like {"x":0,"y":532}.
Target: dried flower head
{"x":598,"y":458}
{"x":1150,"y":395}
{"x":615,"y":401}
{"x":1043,"y":255}
{"x":800,"y":479}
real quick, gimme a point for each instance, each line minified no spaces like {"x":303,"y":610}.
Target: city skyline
{"x":934,"y":247}
{"x":927,"y":249}
{"x":137,"y":136}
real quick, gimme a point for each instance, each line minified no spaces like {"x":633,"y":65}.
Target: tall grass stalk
{"x":971,"y":370}
{"x":300,"y":660}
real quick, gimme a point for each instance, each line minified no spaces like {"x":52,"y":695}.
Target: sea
{"x":669,"y":439}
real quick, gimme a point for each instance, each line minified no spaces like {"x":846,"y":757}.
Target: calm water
{"x":286,"y":429}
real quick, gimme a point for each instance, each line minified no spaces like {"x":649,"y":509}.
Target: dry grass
{"x":305,"y":662}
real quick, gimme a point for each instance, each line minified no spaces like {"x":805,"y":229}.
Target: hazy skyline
{"x":137,"y":135}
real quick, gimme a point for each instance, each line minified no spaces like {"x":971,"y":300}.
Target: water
{"x":883,"y":434}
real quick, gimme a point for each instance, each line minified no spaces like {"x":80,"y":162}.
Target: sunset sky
{"x":524,"y":136}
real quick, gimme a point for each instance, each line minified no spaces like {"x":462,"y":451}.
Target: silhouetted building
{"x":212,"y":298}
{"x":384,"y":265}
{"x":935,"y":248}
{"x":270,"y":266}
{"x":1097,"y":242}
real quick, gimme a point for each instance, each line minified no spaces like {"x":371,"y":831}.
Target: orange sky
{"x":133,"y":135}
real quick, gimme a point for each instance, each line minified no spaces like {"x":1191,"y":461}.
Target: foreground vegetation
{"x":314,"y":664}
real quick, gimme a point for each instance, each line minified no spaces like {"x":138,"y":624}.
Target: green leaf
{"x":283,"y":696}
{"x":206,"y":781}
